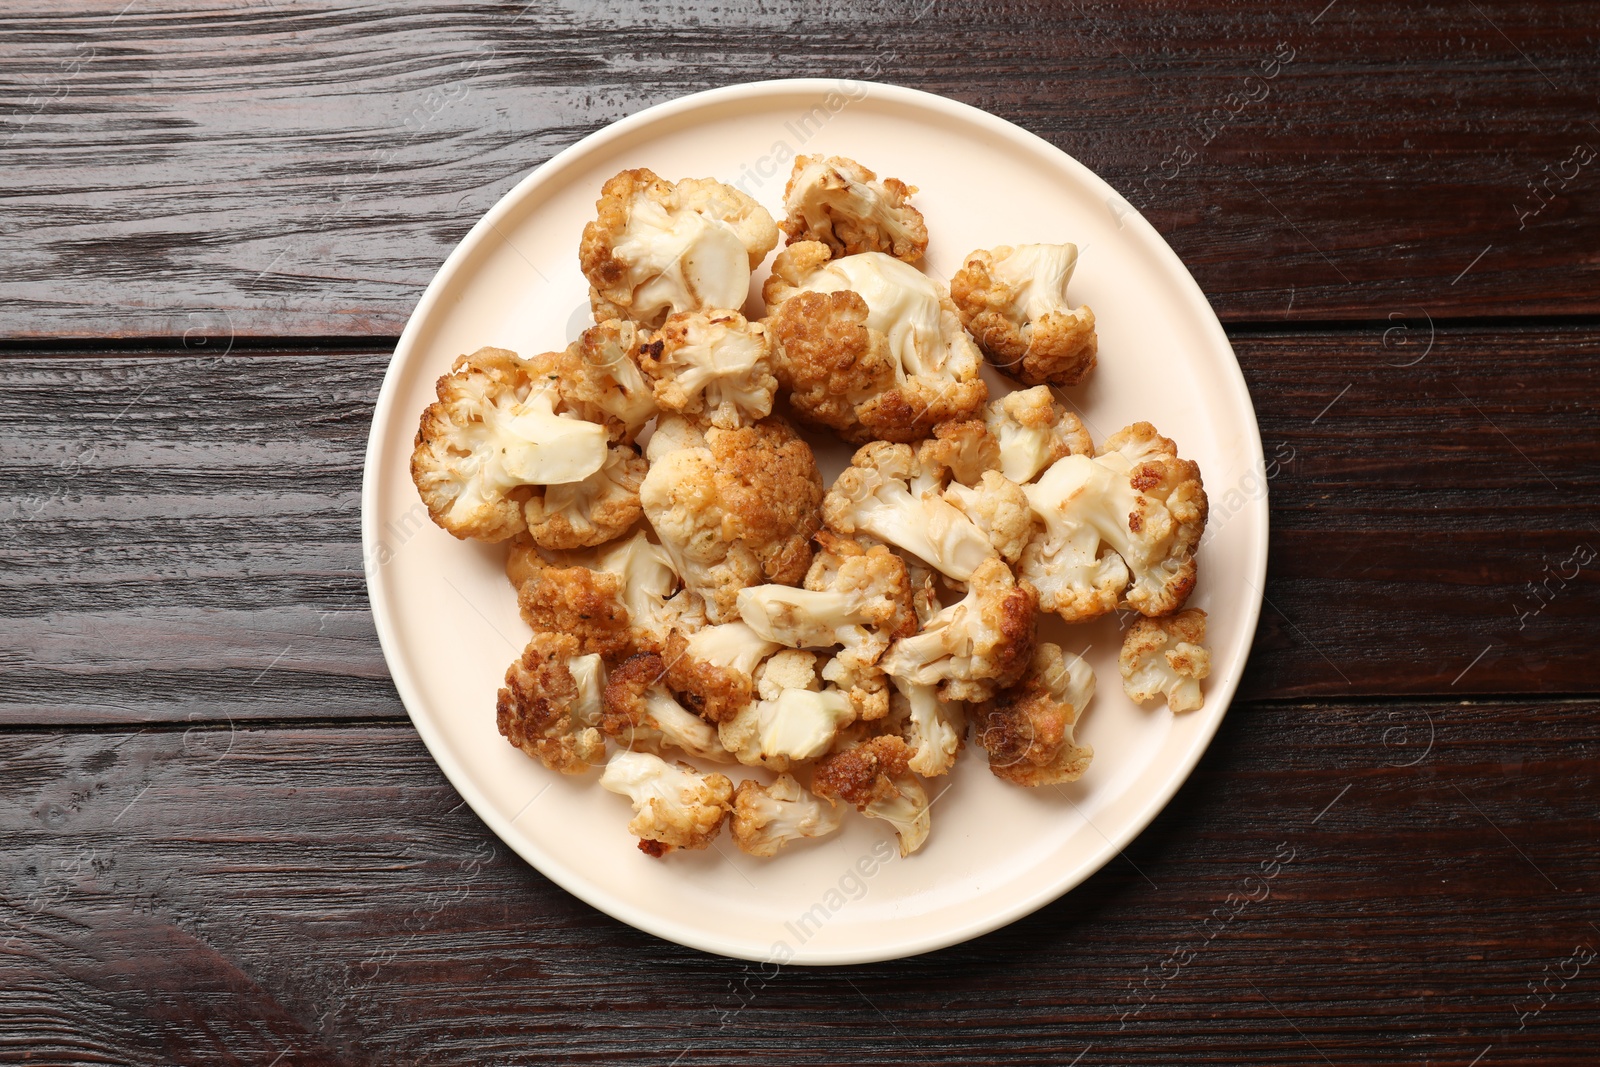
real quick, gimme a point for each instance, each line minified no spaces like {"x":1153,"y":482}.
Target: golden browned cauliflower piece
{"x":714,"y":363}
{"x":962,"y":449}
{"x":551,"y":704}
{"x":658,"y":248}
{"x":795,"y":719}
{"x":887,"y":493}
{"x":641,"y":712}
{"x":1121,"y":528}
{"x":600,"y":378}
{"x":675,"y":806}
{"x":1032,"y":431}
{"x":591,"y":512}
{"x":864,"y":683}
{"x":876,"y":777}
{"x":497,"y":436}
{"x":1014,"y":300}
{"x":975,"y":646}
{"x":616,"y":600}
{"x":876,"y":352}
{"x":713,"y":669}
{"x":1166,"y":657}
{"x":998,"y":507}
{"x":855,"y":597}
{"x":932,"y":727}
{"x":736,"y":511}
{"x":843,"y":205}
{"x":1028,"y":729}
{"x":767,"y":817}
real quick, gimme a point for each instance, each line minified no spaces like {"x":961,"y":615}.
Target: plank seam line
{"x":13,"y":348}
{"x":329,"y":722}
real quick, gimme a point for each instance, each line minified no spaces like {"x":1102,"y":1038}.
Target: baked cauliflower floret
{"x":712,"y":362}
{"x":1028,"y":729}
{"x":616,"y":600}
{"x":933,"y":728}
{"x":975,"y":646}
{"x":736,"y":512}
{"x":855,"y":597}
{"x":674,"y":805}
{"x":767,"y":817}
{"x":713,"y":669}
{"x":496,"y":436}
{"x":641,"y":712}
{"x":794,"y":719}
{"x":998,"y":507}
{"x":864,"y":683}
{"x":1166,"y":657}
{"x":888,"y":363}
{"x":962,"y":449}
{"x":598,"y":509}
{"x":1014,"y":300}
{"x":551,"y":703}
{"x":842,"y":204}
{"x":838,"y":373}
{"x":1033,"y":431}
{"x":1121,"y":528}
{"x":876,"y":777}
{"x":601,"y":379}
{"x":658,"y":248}
{"x":875,"y":495}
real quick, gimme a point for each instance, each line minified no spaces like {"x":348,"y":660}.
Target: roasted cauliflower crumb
{"x":658,"y":248}
{"x":842,"y":204}
{"x":1033,"y":431}
{"x":714,"y":363}
{"x":641,"y":712}
{"x":1166,"y":657}
{"x":765,"y":818}
{"x":674,"y":805}
{"x":551,"y":703}
{"x":1014,"y":300}
{"x":1121,"y":528}
{"x":1028,"y":729}
{"x":713,"y":669}
{"x":496,"y":436}
{"x":889,"y":363}
{"x":736,"y":512}
{"x":876,"y":777}
{"x":975,"y":646}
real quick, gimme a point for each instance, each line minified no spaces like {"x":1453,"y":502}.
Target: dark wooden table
{"x":222,"y":842}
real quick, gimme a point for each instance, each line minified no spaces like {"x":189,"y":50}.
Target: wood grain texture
{"x":252,"y":168}
{"x":1383,"y":884}
{"x":181,"y":537}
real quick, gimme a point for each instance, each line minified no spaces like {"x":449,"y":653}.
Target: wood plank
{"x":302,"y":169}
{"x":1430,"y":521}
{"x":183,"y":540}
{"x":321,"y":894}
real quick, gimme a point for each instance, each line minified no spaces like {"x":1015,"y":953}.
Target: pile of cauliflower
{"x":700,"y":598}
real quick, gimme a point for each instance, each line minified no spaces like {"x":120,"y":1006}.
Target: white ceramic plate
{"x":448,"y":619}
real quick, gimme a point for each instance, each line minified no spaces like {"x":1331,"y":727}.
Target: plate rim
{"x":457,"y":774}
